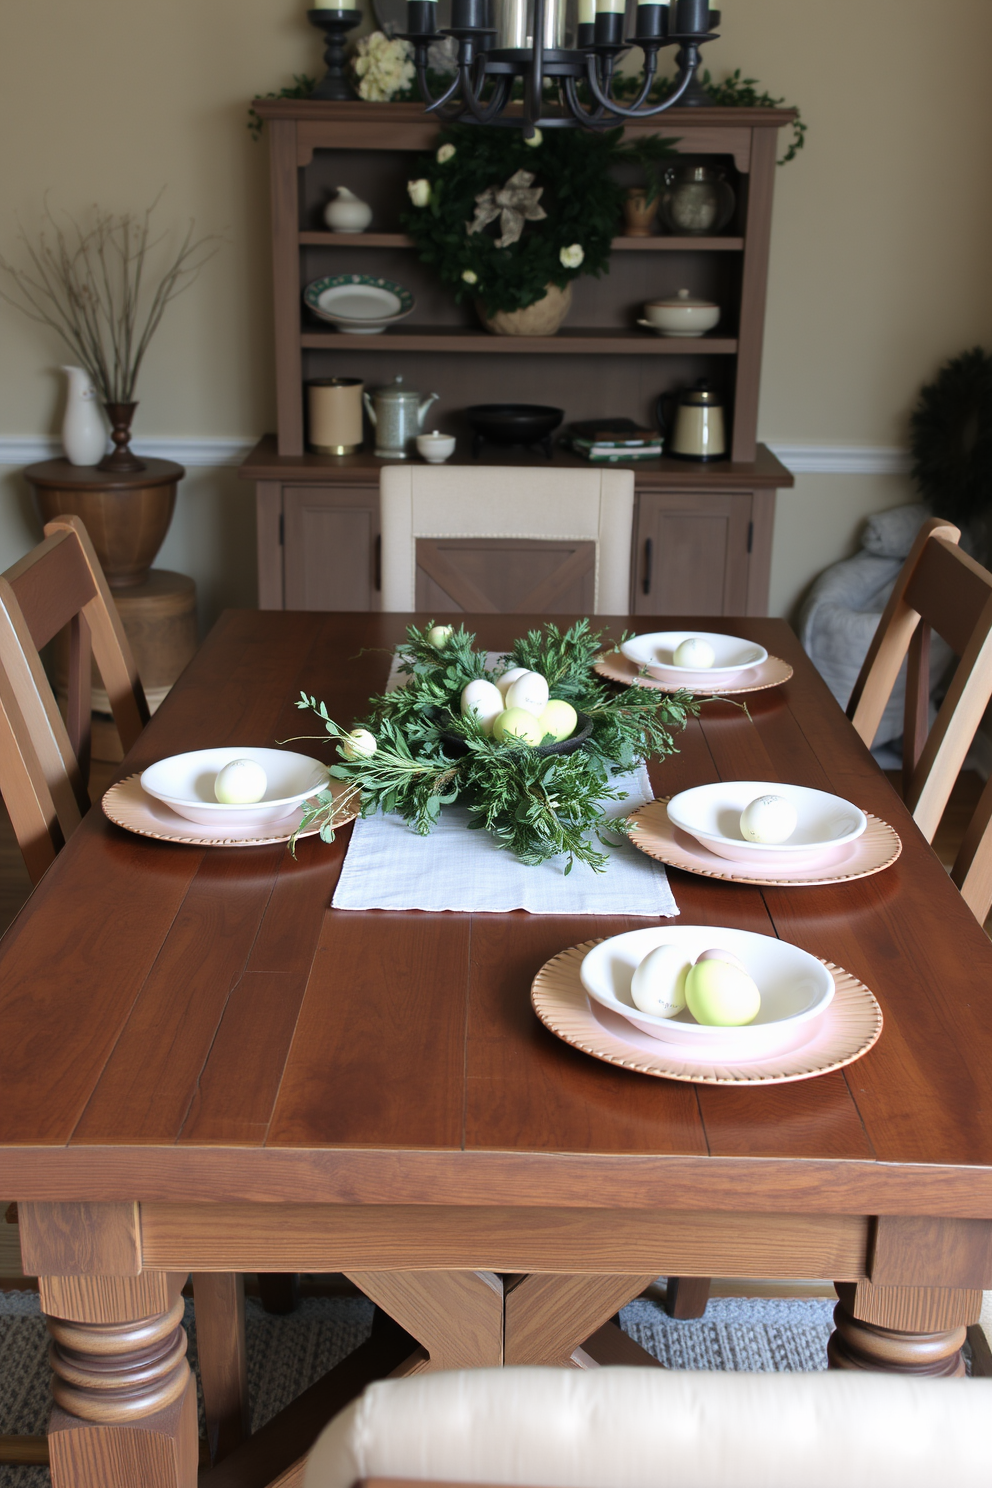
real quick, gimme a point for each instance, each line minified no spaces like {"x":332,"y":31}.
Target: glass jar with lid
{"x":698,"y":201}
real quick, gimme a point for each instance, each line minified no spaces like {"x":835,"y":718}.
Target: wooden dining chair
{"x":44,"y":763}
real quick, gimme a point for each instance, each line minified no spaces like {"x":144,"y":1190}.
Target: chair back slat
{"x":950,"y":590}
{"x":916,"y":716}
{"x":44,"y":765}
{"x":972,"y":870}
{"x":51,"y":585}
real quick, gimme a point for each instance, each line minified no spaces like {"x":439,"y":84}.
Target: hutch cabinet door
{"x":491,"y":575}
{"x":331,"y":547}
{"x":692,"y":554}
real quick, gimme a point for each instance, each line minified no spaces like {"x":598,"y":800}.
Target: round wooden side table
{"x":126,"y":513}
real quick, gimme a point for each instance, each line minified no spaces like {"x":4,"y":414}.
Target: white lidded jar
{"x":84,"y":434}
{"x":346,"y":213}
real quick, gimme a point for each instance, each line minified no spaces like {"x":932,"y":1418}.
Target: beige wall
{"x":879,"y":262}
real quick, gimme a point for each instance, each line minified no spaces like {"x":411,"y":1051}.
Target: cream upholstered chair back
{"x":654,"y":1428}
{"x":524,"y":504}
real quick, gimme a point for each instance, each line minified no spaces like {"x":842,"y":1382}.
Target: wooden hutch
{"x":703,"y":533}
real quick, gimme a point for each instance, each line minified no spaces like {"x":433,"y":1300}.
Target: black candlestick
{"x":335,"y":24}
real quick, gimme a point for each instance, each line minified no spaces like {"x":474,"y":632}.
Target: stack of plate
{"x":358,"y":304}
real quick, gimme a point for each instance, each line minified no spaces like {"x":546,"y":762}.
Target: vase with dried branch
{"x":96,"y":283}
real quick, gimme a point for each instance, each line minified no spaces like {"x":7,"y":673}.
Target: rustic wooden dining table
{"x":205,"y":1069}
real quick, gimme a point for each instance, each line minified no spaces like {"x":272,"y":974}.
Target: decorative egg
{"x":558,"y":719}
{"x":440,"y":635}
{"x":529,"y":692}
{"x":517,"y":726}
{"x":721,"y":955}
{"x":485,"y":700}
{"x":720,"y":996}
{"x":360,"y":744}
{"x":768,"y":819}
{"x":507,"y":680}
{"x":242,"y":782}
{"x":658,"y":983}
{"x":694,"y":652}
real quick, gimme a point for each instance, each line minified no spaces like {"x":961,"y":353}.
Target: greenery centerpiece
{"x":503,"y":219}
{"x":439,"y":739}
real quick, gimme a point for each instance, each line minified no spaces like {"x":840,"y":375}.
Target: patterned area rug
{"x":286,"y":1354}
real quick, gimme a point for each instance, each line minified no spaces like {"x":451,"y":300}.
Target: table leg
{"x":687,"y":1296}
{"x":901,"y":1330}
{"x":125,"y":1400}
{"x":549,"y":1317}
{"x":456,"y":1315}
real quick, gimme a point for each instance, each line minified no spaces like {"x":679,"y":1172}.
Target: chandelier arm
{"x":621,"y":112}
{"x":433,"y":105}
{"x":486,"y":113}
{"x":588,"y":118}
{"x":650,"y":71}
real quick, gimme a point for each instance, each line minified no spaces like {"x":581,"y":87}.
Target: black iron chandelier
{"x":550,"y":42}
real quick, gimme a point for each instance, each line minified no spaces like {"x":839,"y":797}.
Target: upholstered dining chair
{"x":499,"y":539}
{"x":939,"y":589}
{"x":647,"y":1428}
{"x":43,"y":775}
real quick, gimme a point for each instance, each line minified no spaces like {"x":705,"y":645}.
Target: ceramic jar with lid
{"x":682,"y":315}
{"x":347,"y":213}
{"x":697,"y":201}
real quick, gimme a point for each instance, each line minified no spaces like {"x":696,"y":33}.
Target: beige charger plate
{"x":771,"y":673}
{"x":852,"y":1025}
{"x":128,"y":806}
{"x":877,"y":848}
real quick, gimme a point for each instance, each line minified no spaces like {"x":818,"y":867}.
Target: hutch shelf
{"x":703,"y":533}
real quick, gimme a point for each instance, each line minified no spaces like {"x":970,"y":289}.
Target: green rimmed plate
{"x":358,"y":303}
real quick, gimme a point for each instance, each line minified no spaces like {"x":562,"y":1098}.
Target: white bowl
{"x":655,"y":653}
{"x":435,"y":448}
{"x":712,"y":814}
{"x":185,"y":782}
{"x":681,"y":316}
{"x":796,"y":991}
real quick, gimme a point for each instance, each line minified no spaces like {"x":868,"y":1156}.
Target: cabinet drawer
{"x":331,"y":548}
{"x":692,"y":554}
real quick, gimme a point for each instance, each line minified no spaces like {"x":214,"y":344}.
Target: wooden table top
{"x":185,"y":1023}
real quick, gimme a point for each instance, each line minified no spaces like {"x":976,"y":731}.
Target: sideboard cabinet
{"x":703,"y":532}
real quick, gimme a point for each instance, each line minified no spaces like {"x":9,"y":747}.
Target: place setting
{"x":236,"y":796}
{"x":703,"y":662}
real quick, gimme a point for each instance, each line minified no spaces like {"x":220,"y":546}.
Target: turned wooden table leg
{"x":125,"y":1400}
{"x":901,"y":1330}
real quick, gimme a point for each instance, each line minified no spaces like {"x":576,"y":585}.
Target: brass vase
{"x":121,"y":459}
{"x":638,"y":214}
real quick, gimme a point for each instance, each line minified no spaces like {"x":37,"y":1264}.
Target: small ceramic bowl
{"x":435,"y":448}
{"x":712,"y":815}
{"x":796,"y":991}
{"x":655,"y":652}
{"x":185,"y":782}
{"x":681,"y":316}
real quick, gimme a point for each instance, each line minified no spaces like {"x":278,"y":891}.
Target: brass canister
{"x":334,"y":411}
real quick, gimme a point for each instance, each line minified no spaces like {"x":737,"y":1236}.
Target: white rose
{"x":570,"y":258}
{"x":420,"y":192}
{"x":445,"y":153}
{"x":535,"y":139}
{"x":470,"y":276}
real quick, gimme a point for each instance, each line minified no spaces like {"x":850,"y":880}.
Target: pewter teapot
{"x":397,"y":416}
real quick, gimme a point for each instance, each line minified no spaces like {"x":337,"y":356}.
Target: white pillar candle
{"x":587,"y":12}
{"x":611,"y":7}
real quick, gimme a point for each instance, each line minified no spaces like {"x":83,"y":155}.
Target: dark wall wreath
{"x":952,"y":439}
{"x":499,"y":218}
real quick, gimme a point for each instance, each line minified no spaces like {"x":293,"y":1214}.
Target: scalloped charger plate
{"x":128,"y":806}
{"x":851,"y":1026}
{"x":771,"y":673}
{"x":655,"y":834}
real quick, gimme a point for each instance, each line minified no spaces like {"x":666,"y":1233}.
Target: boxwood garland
{"x":538,"y":807}
{"x":952,"y":439}
{"x":580,"y":196}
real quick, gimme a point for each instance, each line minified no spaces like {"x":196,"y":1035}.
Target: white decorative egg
{"x":768,"y":819}
{"x":694,"y":652}
{"x":727,"y":956}
{"x":720,"y":996}
{"x":658,"y":983}
{"x":529,"y":692}
{"x":439,"y":636}
{"x":485,"y":700}
{"x":507,"y":680}
{"x":360,"y":744}
{"x":242,"y":782}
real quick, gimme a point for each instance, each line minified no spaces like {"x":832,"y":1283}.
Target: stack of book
{"x":613,"y":441}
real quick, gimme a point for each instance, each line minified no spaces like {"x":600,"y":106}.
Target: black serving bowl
{"x":457,"y":747}
{"x":513,"y":423}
